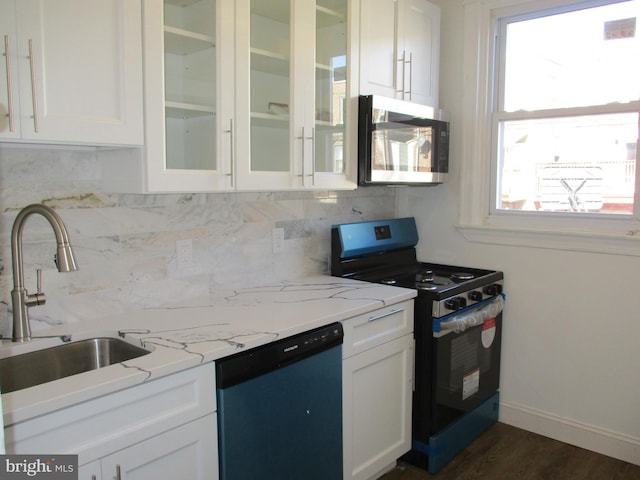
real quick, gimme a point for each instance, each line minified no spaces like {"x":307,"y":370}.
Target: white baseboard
{"x":581,"y":435}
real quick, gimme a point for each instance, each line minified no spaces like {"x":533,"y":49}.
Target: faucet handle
{"x":39,"y":281}
{"x":38,"y":298}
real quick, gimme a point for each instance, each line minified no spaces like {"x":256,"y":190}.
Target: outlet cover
{"x":277,"y":237}
{"x":184,"y":254}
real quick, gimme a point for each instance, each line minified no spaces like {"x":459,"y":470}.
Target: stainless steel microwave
{"x":401,"y":143}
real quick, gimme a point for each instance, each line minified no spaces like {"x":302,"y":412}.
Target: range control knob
{"x":494,"y":289}
{"x":475,"y":295}
{"x":455,"y":303}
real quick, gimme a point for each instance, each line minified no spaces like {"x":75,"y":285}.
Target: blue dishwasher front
{"x":280,"y":409}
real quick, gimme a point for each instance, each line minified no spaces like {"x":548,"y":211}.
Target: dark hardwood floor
{"x":508,"y":453}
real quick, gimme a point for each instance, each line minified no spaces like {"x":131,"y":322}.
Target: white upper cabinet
{"x":71,"y":72}
{"x":400,"y":50}
{"x":189,"y":95}
{"x":293,"y":60}
{"x":244,"y":95}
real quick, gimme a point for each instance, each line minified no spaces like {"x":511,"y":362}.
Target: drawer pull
{"x":386,"y":314}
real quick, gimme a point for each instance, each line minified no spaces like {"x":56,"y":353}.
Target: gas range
{"x":457,"y":331}
{"x":384,"y":252}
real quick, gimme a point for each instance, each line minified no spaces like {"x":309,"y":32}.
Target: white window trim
{"x":611,"y":235}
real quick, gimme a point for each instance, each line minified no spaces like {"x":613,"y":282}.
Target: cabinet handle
{"x":312,"y":138}
{"x":301,"y":138}
{"x":402,"y":62}
{"x":118,"y":473}
{"x":93,"y":477}
{"x":386,"y":314}
{"x":313,"y":156}
{"x":302,"y":143}
{"x":231,"y":159}
{"x":410,"y":62}
{"x":32,"y":64}
{"x":7,"y":60}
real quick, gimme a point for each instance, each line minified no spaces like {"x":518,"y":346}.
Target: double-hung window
{"x":559,"y":116}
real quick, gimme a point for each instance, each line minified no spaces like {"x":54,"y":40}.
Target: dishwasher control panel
{"x":256,"y":361}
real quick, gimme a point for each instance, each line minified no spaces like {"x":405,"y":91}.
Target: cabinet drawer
{"x":375,"y":328}
{"x":98,"y":427}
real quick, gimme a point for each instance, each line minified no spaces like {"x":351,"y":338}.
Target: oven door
{"x":460,"y":364}
{"x":467,"y":366}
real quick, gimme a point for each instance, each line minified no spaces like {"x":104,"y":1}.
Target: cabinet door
{"x":188,"y":95}
{"x":90,"y":471}
{"x":377,"y":391}
{"x":292,"y":64}
{"x":335,"y":118}
{"x":80,"y":70}
{"x":419,"y":47}
{"x":378,"y":61}
{"x":399,"y":50}
{"x":269,"y":156}
{"x":9,"y":94}
{"x":187,"y":452}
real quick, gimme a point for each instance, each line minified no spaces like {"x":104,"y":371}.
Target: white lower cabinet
{"x":165,"y":428}
{"x":377,"y":380}
{"x":189,"y":451}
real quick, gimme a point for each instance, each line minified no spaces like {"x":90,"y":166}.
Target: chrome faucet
{"x":64,"y":261}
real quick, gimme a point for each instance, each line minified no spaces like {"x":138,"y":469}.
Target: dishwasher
{"x":280,"y":409}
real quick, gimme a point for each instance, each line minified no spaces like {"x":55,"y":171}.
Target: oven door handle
{"x":473,"y":318}
{"x":385,"y":314}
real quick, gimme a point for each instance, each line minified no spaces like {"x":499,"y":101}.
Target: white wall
{"x":571,"y":355}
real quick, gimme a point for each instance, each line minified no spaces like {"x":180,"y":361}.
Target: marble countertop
{"x":201,"y":330}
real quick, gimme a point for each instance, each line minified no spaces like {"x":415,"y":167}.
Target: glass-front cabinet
{"x":189,"y":94}
{"x":331,"y":92}
{"x":245,"y":95}
{"x":292,"y":60}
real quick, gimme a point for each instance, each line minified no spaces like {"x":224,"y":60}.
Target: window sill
{"x":607,"y":243}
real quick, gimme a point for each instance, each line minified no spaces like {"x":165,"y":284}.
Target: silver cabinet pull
{"x":93,"y":477}
{"x":402,"y":63}
{"x":302,"y":146}
{"x":7,"y":61}
{"x":118,"y":473}
{"x":410,"y":62}
{"x":231,"y":149}
{"x":312,"y":138}
{"x":32,"y":64}
{"x":313,"y":156}
{"x":386,"y":314}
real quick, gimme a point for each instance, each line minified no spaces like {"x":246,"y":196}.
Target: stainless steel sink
{"x":42,"y":366}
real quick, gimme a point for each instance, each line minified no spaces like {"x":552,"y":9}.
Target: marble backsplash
{"x":125,"y":245}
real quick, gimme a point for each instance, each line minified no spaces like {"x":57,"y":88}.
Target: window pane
{"x":580,"y":58}
{"x":569,"y":164}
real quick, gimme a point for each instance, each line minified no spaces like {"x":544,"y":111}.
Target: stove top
{"x":383,"y":251}
{"x":431,"y":279}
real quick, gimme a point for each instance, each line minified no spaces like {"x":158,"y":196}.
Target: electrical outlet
{"x":277,"y":240}
{"x":184,"y":254}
